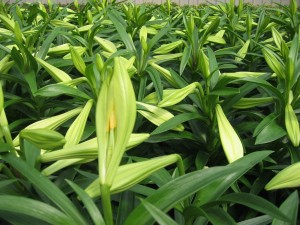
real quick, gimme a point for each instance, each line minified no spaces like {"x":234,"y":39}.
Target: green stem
{"x":202,"y":99}
{"x":106,"y":204}
{"x":6,"y":131}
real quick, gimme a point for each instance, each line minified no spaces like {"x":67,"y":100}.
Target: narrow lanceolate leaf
{"x":280,"y":43}
{"x":57,"y":74}
{"x":275,"y":63}
{"x":45,"y":186}
{"x":115,"y":118}
{"x":290,"y":208}
{"x":292,"y":125}
{"x":106,"y":44}
{"x":231,"y":142}
{"x":89,"y":204}
{"x":130,"y":174}
{"x":34,"y":209}
{"x":51,"y":122}
{"x":171,"y":96}
{"x":78,"y":61}
{"x":287,"y":178}
{"x":242,"y":52}
{"x":255,"y":202}
{"x":175,"y":191}
{"x":157,"y":115}
{"x":161,"y":217}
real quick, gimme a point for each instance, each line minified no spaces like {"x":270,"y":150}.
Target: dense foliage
{"x":115,"y":113}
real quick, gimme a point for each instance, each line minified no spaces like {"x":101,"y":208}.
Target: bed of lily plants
{"x":116,"y":113}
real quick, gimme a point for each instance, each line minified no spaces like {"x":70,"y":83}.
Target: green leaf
{"x":185,"y":58}
{"x":126,"y":205}
{"x":89,"y":204}
{"x":46,"y":187}
{"x":182,"y":187}
{"x":54,"y":90}
{"x":213,"y":68}
{"x":118,"y":22}
{"x":42,"y":53}
{"x":264,"y":123}
{"x":35,"y":209}
{"x":255,"y":202}
{"x":158,"y":215}
{"x":260,"y":220}
{"x":161,"y":33}
{"x":215,"y":215}
{"x":30,"y":77}
{"x":155,"y":77}
{"x":175,"y":121}
{"x":290,"y":208}
{"x":6,"y":183}
{"x":221,"y":185}
{"x":268,"y":130}
{"x":6,"y":147}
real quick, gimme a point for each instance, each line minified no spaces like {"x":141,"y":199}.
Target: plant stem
{"x":106,"y":204}
{"x":6,"y":131}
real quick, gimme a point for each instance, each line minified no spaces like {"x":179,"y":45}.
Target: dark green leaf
{"x":6,"y":182}
{"x":118,"y":21}
{"x":219,"y":186}
{"x":182,"y":187}
{"x":176,"y":120}
{"x":213,"y":67}
{"x":255,"y":202}
{"x":33,"y":208}
{"x":269,"y":134}
{"x":215,"y":215}
{"x":261,"y":220}
{"x":126,"y":205}
{"x":185,"y":58}
{"x":155,"y":77}
{"x":158,"y":215}
{"x":5,"y":147}
{"x":45,"y":186}
{"x":290,"y":208}
{"x":54,"y":90}
{"x":89,"y":204}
